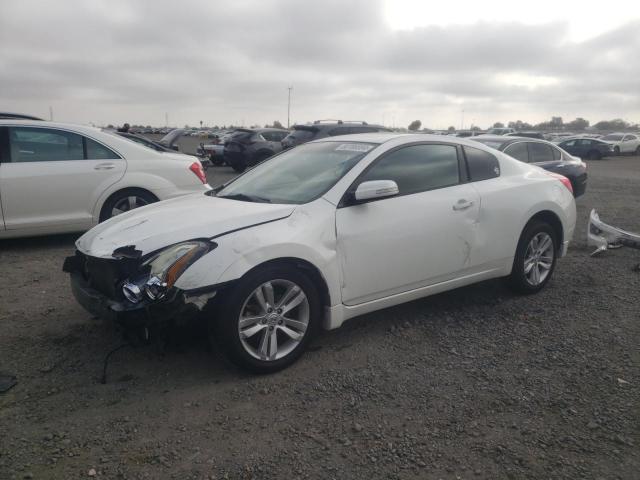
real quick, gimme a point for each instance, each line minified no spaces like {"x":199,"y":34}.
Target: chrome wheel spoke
{"x":528,"y":266}
{"x":290,"y":332}
{"x":294,"y":302}
{"x":259,"y":296}
{"x":298,"y":325}
{"x":291,"y":291}
{"x":251,"y":331}
{"x":544,"y":265}
{"x":545,"y":244}
{"x":273,"y":345}
{"x":264,"y":344}
{"x":267,"y":289}
{"x":249,"y":321}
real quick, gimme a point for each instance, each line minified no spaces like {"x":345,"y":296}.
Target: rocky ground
{"x":473,"y":383}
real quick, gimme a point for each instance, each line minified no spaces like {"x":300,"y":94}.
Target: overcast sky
{"x":394,"y":61}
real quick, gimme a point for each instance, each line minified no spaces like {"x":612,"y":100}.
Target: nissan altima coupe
{"x":324,"y":232}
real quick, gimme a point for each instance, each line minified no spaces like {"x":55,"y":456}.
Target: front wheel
{"x":616,"y":150}
{"x":535,"y":258}
{"x":268,"y":319}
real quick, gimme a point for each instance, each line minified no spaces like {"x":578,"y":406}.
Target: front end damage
{"x":604,"y":237}
{"x":104,"y":288}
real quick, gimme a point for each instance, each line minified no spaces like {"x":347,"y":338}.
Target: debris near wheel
{"x":605,"y":237}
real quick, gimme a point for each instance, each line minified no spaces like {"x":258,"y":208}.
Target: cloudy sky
{"x":222,"y":62}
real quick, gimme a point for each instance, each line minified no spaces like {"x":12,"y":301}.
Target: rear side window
{"x":44,"y":145}
{"x":97,"y":151}
{"x":540,"y":152}
{"x":482,"y":165}
{"x":519,"y":151}
{"x":418,"y":168}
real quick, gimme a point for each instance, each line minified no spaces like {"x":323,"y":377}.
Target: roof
{"x":18,"y":116}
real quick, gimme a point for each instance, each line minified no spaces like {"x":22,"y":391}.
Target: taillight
{"x":565,"y":181}
{"x":196,"y":167}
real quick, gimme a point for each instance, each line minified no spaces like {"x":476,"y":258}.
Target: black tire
{"x":216,"y":160}
{"x":518,"y":279}
{"x":261,"y":157}
{"x":225,"y":327}
{"x":594,"y":155}
{"x":616,"y":150}
{"x":238,"y":165}
{"x":110,"y":204}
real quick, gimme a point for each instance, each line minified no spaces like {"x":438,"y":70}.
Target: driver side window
{"x":418,"y":168}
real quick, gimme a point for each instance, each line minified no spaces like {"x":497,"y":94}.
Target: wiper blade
{"x":245,"y":198}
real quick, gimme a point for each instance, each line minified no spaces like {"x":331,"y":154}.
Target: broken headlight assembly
{"x":604,"y":237}
{"x":163,"y":269}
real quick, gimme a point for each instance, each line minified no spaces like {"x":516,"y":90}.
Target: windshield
{"x":615,"y":137}
{"x":299,"y":175}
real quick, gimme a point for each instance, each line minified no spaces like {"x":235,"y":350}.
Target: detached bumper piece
{"x":604,"y":237}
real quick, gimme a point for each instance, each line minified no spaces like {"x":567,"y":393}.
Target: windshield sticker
{"x":354,"y":147}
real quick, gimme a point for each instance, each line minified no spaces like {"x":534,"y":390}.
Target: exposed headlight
{"x":164,"y":269}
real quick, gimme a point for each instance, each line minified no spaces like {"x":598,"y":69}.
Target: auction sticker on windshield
{"x":354,"y":147}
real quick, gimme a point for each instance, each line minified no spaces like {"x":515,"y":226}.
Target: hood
{"x":172,"y":221}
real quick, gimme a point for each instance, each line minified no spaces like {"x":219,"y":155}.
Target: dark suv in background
{"x":247,"y":147}
{"x":327,"y":128}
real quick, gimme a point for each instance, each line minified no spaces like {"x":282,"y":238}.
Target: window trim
{"x":466,"y":161}
{"x":347,"y":199}
{"x":6,"y":127}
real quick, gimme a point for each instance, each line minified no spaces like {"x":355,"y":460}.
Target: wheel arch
{"x":552,"y":219}
{"x":314,"y":273}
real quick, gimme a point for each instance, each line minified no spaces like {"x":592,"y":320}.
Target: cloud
{"x":225,"y":62}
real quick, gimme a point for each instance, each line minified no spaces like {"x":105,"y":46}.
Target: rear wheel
{"x":535,"y":258}
{"x":261,"y":157}
{"x":268,"y":319}
{"x":124,"y":201}
{"x":594,"y":155}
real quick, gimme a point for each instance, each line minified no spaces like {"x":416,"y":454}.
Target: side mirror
{"x":376,"y":189}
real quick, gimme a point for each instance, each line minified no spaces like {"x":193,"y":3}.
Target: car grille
{"x":106,"y":275}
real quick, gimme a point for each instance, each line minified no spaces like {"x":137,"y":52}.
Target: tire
{"x":252,"y":350}
{"x":238,"y":165}
{"x":125,"y":198}
{"x":594,"y":155}
{"x":216,"y":160}
{"x":616,"y":150}
{"x":525,"y":282}
{"x":261,"y":157}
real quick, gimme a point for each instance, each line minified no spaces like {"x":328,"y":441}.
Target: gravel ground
{"x":473,"y":383}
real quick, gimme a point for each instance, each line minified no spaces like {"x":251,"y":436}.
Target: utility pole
{"x":290,"y":87}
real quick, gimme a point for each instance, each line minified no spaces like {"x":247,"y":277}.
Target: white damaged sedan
{"x":322,"y":233}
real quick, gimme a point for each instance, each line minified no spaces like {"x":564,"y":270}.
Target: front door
{"x":420,"y":237}
{"x":54,"y":178}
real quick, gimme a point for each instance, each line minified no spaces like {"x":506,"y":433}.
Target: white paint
{"x":40,"y":198}
{"x":371,"y":255}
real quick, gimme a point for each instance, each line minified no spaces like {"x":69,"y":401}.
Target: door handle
{"x":462,"y":205}
{"x":104,"y":166}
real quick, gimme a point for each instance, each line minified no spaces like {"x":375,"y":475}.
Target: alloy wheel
{"x":127,"y":203}
{"x":273,"y":320}
{"x":538,"y":258}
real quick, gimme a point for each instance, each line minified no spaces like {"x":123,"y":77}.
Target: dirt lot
{"x":474,"y":383}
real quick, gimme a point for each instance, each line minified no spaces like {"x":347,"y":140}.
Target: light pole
{"x":289,"y":105}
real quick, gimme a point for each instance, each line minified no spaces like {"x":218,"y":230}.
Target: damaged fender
{"x":603,"y":236}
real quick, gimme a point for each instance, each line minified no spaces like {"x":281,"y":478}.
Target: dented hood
{"x":185,"y":218}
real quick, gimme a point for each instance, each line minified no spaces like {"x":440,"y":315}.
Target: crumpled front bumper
{"x":603,"y":236}
{"x":177,"y":307}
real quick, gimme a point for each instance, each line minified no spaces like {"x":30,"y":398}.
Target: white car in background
{"x":324,"y":232}
{"x":623,"y":142}
{"x":57,"y":178}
